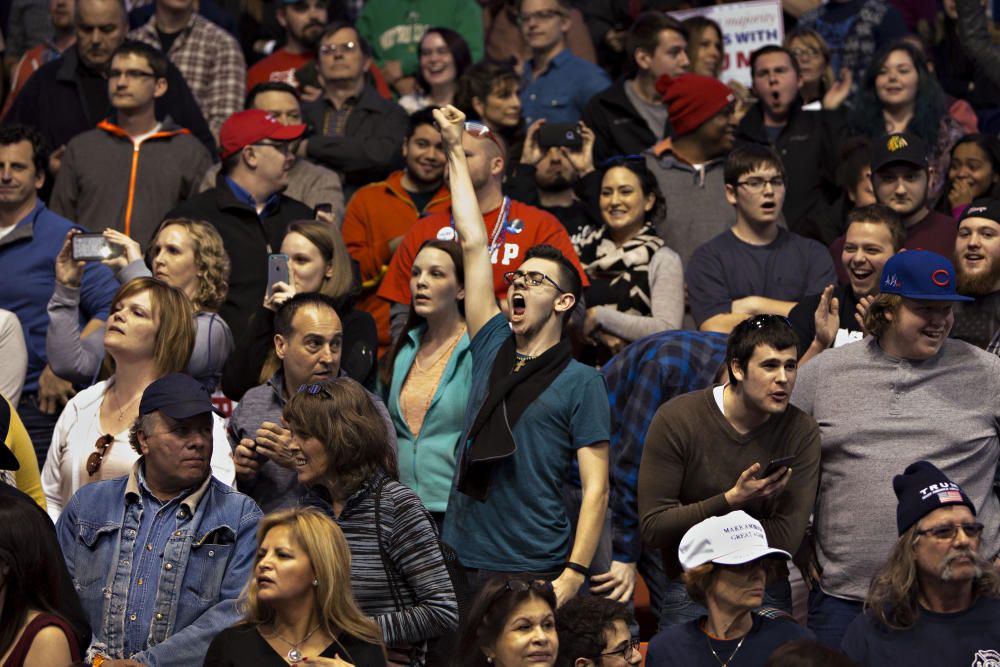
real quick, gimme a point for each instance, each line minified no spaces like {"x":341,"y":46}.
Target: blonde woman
{"x":297,"y":606}
{"x":150,"y":333}
{"x":186,"y":254}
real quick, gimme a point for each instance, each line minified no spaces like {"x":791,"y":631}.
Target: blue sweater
{"x":28,"y":257}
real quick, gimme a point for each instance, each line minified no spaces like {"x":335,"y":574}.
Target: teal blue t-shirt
{"x":522,"y":525}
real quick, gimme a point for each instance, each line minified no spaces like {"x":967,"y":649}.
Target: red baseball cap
{"x":248,"y":127}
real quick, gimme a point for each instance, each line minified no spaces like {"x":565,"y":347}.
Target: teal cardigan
{"x":427,"y":463}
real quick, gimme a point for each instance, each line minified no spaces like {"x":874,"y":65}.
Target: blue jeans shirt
{"x":201,"y":551}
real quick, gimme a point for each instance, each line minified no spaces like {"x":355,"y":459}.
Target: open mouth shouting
{"x":517,"y":305}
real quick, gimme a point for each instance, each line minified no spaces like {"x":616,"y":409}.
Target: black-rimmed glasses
{"x":130,"y":74}
{"x":334,"y":49}
{"x":756,"y":184}
{"x":286,"y":148}
{"x":625,"y":652}
{"x":530,"y":278}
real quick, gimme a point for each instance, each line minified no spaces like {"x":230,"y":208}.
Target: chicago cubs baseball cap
{"x":922,"y":275}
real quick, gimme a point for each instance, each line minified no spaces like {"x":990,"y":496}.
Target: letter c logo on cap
{"x":941,"y":278}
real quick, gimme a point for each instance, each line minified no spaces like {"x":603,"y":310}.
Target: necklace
{"x":521,"y":360}
{"x":445,"y":354}
{"x":294,"y":654}
{"x":731,"y":655}
{"x":122,"y":408}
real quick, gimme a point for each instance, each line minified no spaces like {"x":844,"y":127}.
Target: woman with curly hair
{"x":298,"y":605}
{"x":186,"y":254}
{"x":900,"y":94}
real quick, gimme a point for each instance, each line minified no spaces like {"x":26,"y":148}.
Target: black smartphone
{"x":775,"y":465}
{"x":94,"y":248}
{"x":560,"y":134}
{"x":323,"y":207}
{"x":277,"y":271}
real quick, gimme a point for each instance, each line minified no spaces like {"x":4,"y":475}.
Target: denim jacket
{"x":207,"y":561}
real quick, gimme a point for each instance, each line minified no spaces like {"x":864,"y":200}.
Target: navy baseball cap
{"x":988,"y":209}
{"x":921,"y":275}
{"x":899,"y":147}
{"x":178,"y":396}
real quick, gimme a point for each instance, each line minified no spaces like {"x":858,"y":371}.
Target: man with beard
{"x":936,"y":601}
{"x":303,"y":21}
{"x":549,"y":176}
{"x":901,"y":178}
{"x":977,"y":260}
{"x":905,"y":392}
{"x":756,"y":267}
{"x":830,"y":319}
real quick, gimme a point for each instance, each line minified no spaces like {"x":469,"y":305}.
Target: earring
{"x":489,"y":659}
{"x":315,"y":582}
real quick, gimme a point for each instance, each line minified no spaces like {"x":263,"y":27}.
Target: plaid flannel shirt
{"x":641,"y":378}
{"x":212,"y":64}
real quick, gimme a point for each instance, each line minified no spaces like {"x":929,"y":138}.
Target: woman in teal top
{"x":428,"y":373}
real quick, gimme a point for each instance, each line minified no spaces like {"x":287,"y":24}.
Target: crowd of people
{"x":498,"y":333}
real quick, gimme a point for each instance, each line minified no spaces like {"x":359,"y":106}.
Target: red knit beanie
{"x":692,"y":99}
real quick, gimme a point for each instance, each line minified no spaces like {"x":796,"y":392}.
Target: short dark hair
{"x":269,"y":87}
{"x":647,"y":181}
{"x":494,"y":603}
{"x":880,"y":214}
{"x":855,"y":157}
{"x":569,"y":276}
{"x":336,"y":26}
{"x":417,"y":118}
{"x":285,"y":315}
{"x":581,"y":624}
{"x":773,"y":48}
{"x":15,"y":134}
{"x":157,"y":61}
{"x":644,"y":34}
{"x":745,"y":159}
{"x":459,"y":48}
{"x":773,"y":330}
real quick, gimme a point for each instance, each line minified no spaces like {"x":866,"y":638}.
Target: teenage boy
{"x":533,"y":410}
{"x":755,"y":267}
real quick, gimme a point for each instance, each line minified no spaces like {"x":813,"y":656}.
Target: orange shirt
{"x":376,"y":214}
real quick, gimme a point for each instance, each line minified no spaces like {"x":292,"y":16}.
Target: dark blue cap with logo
{"x":921,"y":489}
{"x":178,"y":396}
{"x":922,"y":275}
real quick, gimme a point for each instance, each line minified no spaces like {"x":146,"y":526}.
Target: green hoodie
{"x":394,"y":27}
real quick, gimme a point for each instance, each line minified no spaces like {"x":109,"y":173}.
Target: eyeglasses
{"x":804,"y":53}
{"x":625,"y":652}
{"x":286,"y":148}
{"x":96,"y":458}
{"x":617,"y":160}
{"x":522,"y":585}
{"x":761,"y":321}
{"x":334,"y":49}
{"x":542,"y":15}
{"x":130,"y":74}
{"x":971,"y":530}
{"x":480,"y":130}
{"x":756,"y":184}
{"x":530,"y":278}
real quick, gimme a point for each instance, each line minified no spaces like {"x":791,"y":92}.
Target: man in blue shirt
{"x":160,"y":556}
{"x":557,"y":85}
{"x":533,"y":411}
{"x":31,"y":236}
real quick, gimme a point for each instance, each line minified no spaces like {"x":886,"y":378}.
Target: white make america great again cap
{"x":731,"y":539}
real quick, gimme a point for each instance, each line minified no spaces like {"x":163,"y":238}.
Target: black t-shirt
{"x":688,"y":645}
{"x":803,"y":315}
{"x":242,"y":645}
{"x":94,"y":86}
{"x":167,"y":39}
{"x":977,"y":321}
{"x":421,"y":199}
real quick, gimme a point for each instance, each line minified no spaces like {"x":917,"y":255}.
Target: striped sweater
{"x":409,"y":538}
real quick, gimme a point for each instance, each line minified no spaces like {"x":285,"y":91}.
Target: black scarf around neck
{"x":510,"y":394}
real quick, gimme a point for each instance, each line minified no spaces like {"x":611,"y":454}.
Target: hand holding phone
{"x":277,"y":272}
{"x":775,"y":465}
{"x":94,"y":248}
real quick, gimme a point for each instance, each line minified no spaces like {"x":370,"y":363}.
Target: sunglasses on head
{"x":482,"y":131}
